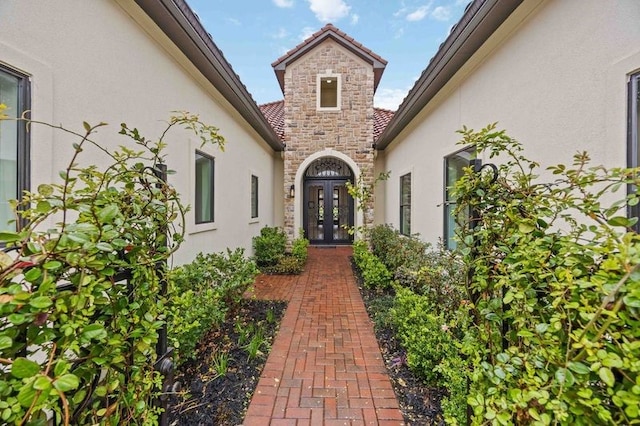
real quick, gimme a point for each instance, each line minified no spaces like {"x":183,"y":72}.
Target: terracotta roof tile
{"x":381,"y":118}
{"x":274,"y":112}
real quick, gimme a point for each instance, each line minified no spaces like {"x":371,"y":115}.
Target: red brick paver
{"x":325,"y":367}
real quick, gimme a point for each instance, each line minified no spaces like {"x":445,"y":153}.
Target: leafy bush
{"x":556,"y":290}
{"x":77,"y":341}
{"x":202,"y":293}
{"x":299,"y":248}
{"x":269,"y":247}
{"x":396,"y":250}
{"x":374,"y":273}
{"x":433,"y":351}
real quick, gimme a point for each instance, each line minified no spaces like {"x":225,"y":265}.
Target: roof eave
{"x":179,"y":23}
{"x":481,"y":19}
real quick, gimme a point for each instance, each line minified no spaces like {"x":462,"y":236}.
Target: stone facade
{"x":308,"y":131}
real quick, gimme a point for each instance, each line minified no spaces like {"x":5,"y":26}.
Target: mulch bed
{"x":206,"y":399}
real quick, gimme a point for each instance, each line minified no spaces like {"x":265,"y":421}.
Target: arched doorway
{"x":327,"y":206}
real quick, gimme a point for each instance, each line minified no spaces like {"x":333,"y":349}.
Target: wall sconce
{"x":292,"y":191}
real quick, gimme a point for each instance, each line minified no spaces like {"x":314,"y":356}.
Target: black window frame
{"x":633,"y":139}
{"x":198,"y":195}
{"x":23,"y":137}
{"x":449,"y":204}
{"x":255,"y":197}
{"x":405,"y":206}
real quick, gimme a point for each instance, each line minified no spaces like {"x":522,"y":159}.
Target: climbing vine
{"x":555,"y":286}
{"x":77,"y":337}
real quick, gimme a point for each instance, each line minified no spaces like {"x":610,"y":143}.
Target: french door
{"x":328,"y":212}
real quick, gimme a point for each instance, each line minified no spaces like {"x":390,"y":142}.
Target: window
{"x":454,"y":165}
{"x":405,"y":204}
{"x":633,"y":143}
{"x":14,"y":143}
{"x":328,"y":92}
{"x":204,"y":188}
{"x":254,"y":197}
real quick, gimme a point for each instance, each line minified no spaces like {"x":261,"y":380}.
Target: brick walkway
{"x":325,"y":367}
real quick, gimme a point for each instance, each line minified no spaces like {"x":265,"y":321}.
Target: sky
{"x":252,"y":34}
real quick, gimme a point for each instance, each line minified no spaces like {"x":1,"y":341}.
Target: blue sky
{"x":254,"y":33}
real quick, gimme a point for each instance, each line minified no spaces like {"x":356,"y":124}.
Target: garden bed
{"x":209,"y":399}
{"x":419,"y":403}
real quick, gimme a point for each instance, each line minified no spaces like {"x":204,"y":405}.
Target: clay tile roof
{"x":330,"y":31}
{"x":381,"y":118}
{"x":274,"y":112}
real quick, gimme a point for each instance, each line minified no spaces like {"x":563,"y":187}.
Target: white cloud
{"x":389,"y":98}
{"x":307,"y":32}
{"x":329,"y":10}
{"x":234,"y":21}
{"x":418,"y":14}
{"x":354,"y":19}
{"x":399,"y":33}
{"x":282,"y":33}
{"x":441,"y":13}
{"x":283,"y":3}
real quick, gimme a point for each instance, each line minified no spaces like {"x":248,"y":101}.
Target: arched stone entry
{"x":327,"y":207}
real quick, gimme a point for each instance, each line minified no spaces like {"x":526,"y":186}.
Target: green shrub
{"x":287,"y":265}
{"x":299,"y":248}
{"x":269,"y":246}
{"x":433,"y":349}
{"x":202,"y":293}
{"x":374,"y":273}
{"x":396,"y":250}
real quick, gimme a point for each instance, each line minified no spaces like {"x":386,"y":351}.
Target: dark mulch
{"x":207,"y":399}
{"x":419,"y":403}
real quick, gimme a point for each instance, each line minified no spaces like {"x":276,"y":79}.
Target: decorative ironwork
{"x":328,"y":167}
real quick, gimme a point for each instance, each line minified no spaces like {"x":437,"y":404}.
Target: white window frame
{"x":328,"y":74}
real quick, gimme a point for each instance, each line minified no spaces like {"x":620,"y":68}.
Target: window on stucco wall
{"x":633,"y":136}
{"x":405,"y":204}
{"x":14,"y":142}
{"x":204,"y":188}
{"x":454,"y":165}
{"x":254,"y":197}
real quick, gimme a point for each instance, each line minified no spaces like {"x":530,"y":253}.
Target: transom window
{"x":454,"y":166}
{"x":328,"y":167}
{"x":328,"y":89}
{"x":14,"y":143}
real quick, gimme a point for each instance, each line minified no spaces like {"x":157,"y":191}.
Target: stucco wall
{"x":106,"y":61}
{"x":554,"y":76}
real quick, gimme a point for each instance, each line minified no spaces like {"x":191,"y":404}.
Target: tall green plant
{"x":74,"y":341}
{"x":556,"y":286}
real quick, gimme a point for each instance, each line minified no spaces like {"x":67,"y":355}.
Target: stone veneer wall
{"x":307,"y":131}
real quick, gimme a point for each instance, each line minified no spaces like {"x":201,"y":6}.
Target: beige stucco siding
{"x":554,"y":76}
{"x":106,"y":61}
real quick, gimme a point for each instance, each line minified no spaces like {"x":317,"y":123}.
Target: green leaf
{"x":632,"y":301}
{"x":619,"y":221}
{"x":104,"y":247}
{"x":45,"y":190}
{"x":26,"y":395}
{"x":52,"y":264}
{"x":43,"y":207}
{"x":607,"y":376}
{"x":579,"y":368}
{"x":32,"y":274}
{"x":94,"y":332}
{"x":23,"y":368}
{"x":9,"y":237}
{"x":42,"y":383}
{"x":108,"y":213}
{"x":525,"y":228}
{"x":5,"y":342}
{"x":41,"y":302}
{"x":66,"y":382}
